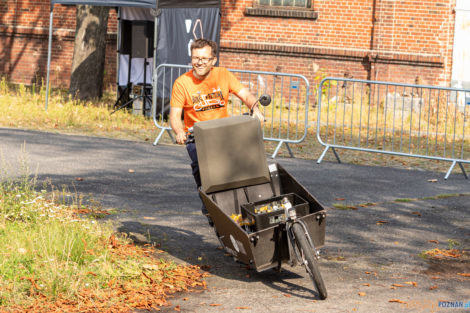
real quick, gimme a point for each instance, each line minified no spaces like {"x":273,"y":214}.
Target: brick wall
{"x":389,"y":40}
{"x":402,"y":41}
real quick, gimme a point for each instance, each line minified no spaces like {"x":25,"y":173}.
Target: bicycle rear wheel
{"x":308,"y":259}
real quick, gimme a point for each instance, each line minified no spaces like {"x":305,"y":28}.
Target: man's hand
{"x":181,"y":138}
{"x":175,"y":123}
{"x":247,"y":97}
{"x":257,"y":113}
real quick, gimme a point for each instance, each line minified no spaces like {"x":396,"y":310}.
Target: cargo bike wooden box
{"x":237,"y":180}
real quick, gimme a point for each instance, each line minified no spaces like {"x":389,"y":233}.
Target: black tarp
{"x":178,"y":28}
{"x":145,"y":3}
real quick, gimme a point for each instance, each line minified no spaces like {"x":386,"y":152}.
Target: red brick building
{"x":404,"y":41}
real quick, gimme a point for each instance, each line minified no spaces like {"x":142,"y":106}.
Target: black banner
{"x":177,"y":29}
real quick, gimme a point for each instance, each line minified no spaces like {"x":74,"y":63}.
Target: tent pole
{"x":118,"y":44}
{"x":154,"y":72}
{"x":49,"y":52}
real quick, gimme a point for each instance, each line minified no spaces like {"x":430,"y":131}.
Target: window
{"x":302,"y":9}
{"x":286,"y":3}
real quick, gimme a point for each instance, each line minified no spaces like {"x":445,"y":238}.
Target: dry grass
{"x":22,"y":107}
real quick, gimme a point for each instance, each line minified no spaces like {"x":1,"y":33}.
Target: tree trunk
{"x":89,"y":51}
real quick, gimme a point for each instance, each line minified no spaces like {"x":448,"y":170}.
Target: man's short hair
{"x":201,"y":43}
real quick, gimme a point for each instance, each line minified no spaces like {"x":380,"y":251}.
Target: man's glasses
{"x":202,"y":60}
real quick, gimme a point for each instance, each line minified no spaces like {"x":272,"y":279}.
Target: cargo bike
{"x":262,"y":215}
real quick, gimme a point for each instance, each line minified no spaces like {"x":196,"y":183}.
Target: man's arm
{"x":177,"y":125}
{"x":247,"y":97}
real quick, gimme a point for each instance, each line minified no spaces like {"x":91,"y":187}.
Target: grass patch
{"x":52,"y":258}
{"x":340,"y":206}
{"x":445,"y":196}
{"x":404,"y":200}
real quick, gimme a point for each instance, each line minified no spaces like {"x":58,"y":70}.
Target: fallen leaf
{"x":396,"y":300}
{"x":177,"y":308}
{"x":79,"y":179}
{"x":131,"y":171}
{"x":367,"y":273}
{"x":393,"y":287}
{"x":366,"y":284}
{"x":416,"y":213}
{"x":395,"y":242}
{"x":287,"y":295}
{"x":435,"y":277}
{"x":381,"y":222}
{"x":185,"y":299}
{"x":242,"y":308}
{"x":215,"y":304}
{"x":149,"y":278}
{"x":433,"y":287}
{"x":398,"y":285}
{"x":432,"y":180}
{"x":415,"y":284}
{"x":92,"y":274}
{"x":433,"y":241}
{"x":339,"y":199}
{"x":464,"y":274}
{"x":149,"y":218}
{"x":362,"y":294}
{"x":437,"y":253}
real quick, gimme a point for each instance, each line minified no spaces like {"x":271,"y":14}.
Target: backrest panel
{"x":230,"y":153}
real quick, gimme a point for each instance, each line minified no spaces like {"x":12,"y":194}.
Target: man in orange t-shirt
{"x":202,"y":94}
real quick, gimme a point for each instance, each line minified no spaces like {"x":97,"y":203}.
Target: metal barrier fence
{"x":391,"y":118}
{"x":286,"y":117}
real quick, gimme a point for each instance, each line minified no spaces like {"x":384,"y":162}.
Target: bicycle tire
{"x":311,"y":264}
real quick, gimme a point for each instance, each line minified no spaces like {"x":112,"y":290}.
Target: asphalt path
{"x":368,"y":248}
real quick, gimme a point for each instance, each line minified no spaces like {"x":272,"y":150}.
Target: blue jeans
{"x":191,"y":147}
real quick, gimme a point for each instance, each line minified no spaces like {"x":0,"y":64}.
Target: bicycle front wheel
{"x":308,"y":259}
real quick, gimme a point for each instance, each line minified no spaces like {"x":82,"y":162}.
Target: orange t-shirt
{"x":206,"y":99}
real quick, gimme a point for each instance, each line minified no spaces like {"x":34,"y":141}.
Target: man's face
{"x":202,"y":61}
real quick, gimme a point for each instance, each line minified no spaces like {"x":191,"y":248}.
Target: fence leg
{"x":323,"y":155}
{"x":450,"y":170}
{"x":289,"y":149}
{"x":324,"y":152}
{"x":161,"y":134}
{"x":463,"y":170}
{"x":336,"y":155}
{"x":276,"y":150}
